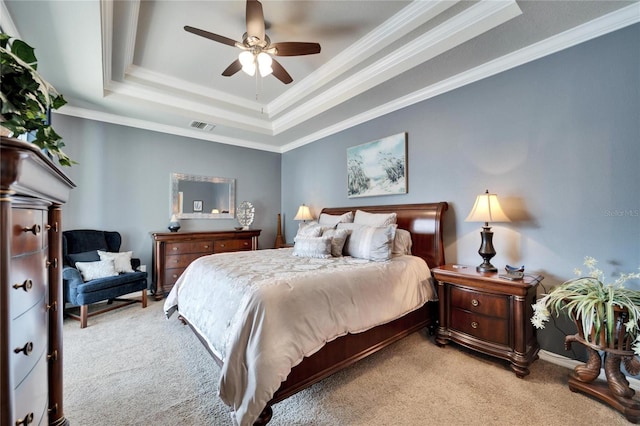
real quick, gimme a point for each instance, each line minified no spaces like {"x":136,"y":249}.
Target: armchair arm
{"x":135,"y":263}
{"x":71,"y":279}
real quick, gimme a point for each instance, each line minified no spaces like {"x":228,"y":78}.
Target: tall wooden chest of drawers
{"x":31,"y":194}
{"x":174,"y":251}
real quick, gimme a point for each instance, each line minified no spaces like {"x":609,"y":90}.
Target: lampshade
{"x":303,"y":213}
{"x":248,"y":62}
{"x":487,"y":209}
{"x":264,"y":64}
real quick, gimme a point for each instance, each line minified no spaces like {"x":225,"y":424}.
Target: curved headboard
{"x":423,"y":221}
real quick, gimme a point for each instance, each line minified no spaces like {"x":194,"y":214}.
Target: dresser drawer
{"x":205,"y":247}
{"x":483,"y":327}
{"x":29,"y":331}
{"x":181,"y":260}
{"x":172,"y":275}
{"x":481,"y":303}
{"x":221,"y":246}
{"x":28,"y":282}
{"x":30,"y":240}
{"x":31,"y":396}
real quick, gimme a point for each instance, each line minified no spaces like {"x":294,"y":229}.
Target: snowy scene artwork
{"x":378,"y":167}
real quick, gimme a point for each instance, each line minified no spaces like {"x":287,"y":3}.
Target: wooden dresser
{"x":32,"y":192}
{"x":489,"y":314}
{"x":174,"y":251}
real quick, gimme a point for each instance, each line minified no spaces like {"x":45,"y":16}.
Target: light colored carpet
{"x":132,"y":366}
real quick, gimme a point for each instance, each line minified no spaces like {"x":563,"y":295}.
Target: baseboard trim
{"x":563,"y":361}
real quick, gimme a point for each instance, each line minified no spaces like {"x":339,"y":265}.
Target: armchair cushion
{"x":121,"y":261}
{"x":96,"y":270}
{"x":85,"y":256}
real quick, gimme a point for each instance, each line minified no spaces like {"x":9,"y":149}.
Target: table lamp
{"x":303,"y":214}
{"x":486,"y":209}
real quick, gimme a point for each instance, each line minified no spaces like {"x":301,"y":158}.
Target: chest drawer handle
{"x":206,"y":246}
{"x":174,"y":248}
{"x":27,"y":285}
{"x":27,"y":420}
{"x":35,"y":229}
{"x":27,"y":349}
{"x":245,"y":243}
{"x":222,"y":245}
{"x":474,"y":324}
{"x":474,"y":302}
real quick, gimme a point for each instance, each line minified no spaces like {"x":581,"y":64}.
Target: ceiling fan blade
{"x":280,"y":73}
{"x":255,"y":19}
{"x":294,"y":48}
{"x":210,"y":36}
{"x":232,"y":69}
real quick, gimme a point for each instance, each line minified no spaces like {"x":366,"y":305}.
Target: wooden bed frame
{"x":424,"y":222}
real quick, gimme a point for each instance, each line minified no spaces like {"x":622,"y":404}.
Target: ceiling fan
{"x":257,"y":49}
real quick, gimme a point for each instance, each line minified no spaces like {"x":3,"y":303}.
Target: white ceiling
{"x":132,"y":63}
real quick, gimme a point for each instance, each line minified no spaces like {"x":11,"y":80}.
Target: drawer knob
{"x":474,"y":324}
{"x":26,"y":420}
{"x":174,"y":248}
{"x":27,"y":349}
{"x":474,"y":302}
{"x":35,"y":229}
{"x":206,"y":246}
{"x":27,"y":285}
{"x":175,"y":275}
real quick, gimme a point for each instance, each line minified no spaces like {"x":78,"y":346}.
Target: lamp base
{"x":486,"y":267}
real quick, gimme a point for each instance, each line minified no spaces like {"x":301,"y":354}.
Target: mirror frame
{"x":175,"y":180}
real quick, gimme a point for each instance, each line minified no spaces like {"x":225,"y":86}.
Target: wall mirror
{"x":202,"y":197}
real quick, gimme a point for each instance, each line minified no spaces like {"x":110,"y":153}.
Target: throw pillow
{"x":94,"y":270}
{"x":334,"y":219}
{"x":121,"y":261}
{"x":317,"y":247}
{"x":402,"y":242}
{"x":374,"y":219}
{"x":85,"y":256}
{"x":338,"y":240}
{"x":311,"y":229}
{"x":372,"y":243}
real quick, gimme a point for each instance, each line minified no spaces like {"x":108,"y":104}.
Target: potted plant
{"x":607,"y":317}
{"x":27,"y":99}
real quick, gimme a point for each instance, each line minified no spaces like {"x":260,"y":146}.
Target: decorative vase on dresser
{"x":174,"y":251}
{"x":33,"y":190}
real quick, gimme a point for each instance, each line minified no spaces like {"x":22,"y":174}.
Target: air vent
{"x":200,"y":125}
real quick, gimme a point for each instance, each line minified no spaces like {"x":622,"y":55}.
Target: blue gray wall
{"x":123,"y":181}
{"x":557,"y":139}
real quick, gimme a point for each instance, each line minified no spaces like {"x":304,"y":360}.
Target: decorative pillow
{"x":338,"y":240}
{"x":85,"y":256}
{"x":372,"y":243}
{"x":334,"y":219}
{"x":402,"y":242}
{"x":94,"y":270}
{"x":311,"y":229}
{"x":374,"y":219}
{"x":121,"y":261}
{"x":317,"y":247}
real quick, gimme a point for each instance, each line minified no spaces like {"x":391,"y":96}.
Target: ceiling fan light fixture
{"x":264,"y":64}
{"x":248,"y":62}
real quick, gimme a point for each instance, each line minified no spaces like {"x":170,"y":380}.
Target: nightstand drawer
{"x":485,"y":328}
{"x":480,"y":303}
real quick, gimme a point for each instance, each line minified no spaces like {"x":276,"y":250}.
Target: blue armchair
{"x":89,"y":280}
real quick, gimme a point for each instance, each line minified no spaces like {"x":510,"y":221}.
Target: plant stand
{"x":615,"y":391}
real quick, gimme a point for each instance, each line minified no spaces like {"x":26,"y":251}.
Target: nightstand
{"x":488,"y":314}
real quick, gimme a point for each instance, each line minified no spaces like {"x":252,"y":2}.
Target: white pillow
{"x":311,"y":229}
{"x":317,"y":247}
{"x":94,"y":270}
{"x":338,"y":240}
{"x":372,"y":243}
{"x":334,"y":219}
{"x":402,"y":242}
{"x":374,"y":219}
{"x":121,"y":261}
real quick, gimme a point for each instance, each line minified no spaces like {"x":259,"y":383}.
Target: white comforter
{"x":263,"y":311}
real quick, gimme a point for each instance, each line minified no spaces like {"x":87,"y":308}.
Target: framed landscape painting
{"x":378,"y":167}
